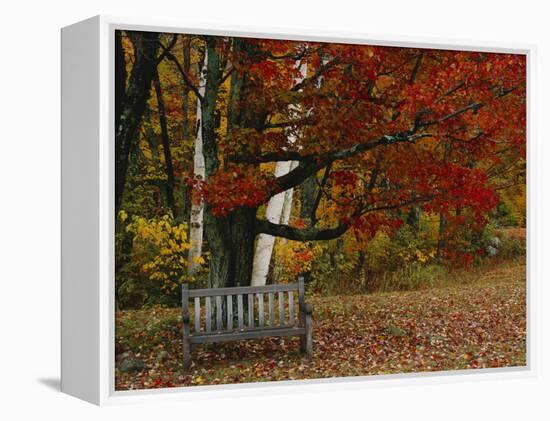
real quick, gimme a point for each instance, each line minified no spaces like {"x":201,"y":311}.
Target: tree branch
{"x":184,"y":75}
{"x":319,"y":195}
{"x":319,"y":72}
{"x":416,"y":68}
{"x":318,"y":234}
{"x":305,"y":121}
{"x":473,"y":107}
{"x":227,"y":74}
{"x":399,"y":66}
{"x":168,"y":49}
{"x":406,"y":136}
{"x":310,"y":164}
{"x":300,"y":234}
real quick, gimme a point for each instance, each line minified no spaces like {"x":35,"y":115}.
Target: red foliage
{"x":228,"y":190}
{"x":467,"y":109}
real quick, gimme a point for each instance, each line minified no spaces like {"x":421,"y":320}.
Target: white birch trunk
{"x":277,"y":211}
{"x":265,"y":242}
{"x":285,"y":216}
{"x":199,"y":173}
{"x":287,"y":206}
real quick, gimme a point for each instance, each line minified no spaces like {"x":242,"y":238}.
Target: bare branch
{"x":319,"y":194}
{"x":470,"y":107}
{"x":183,"y":74}
{"x":166,"y":50}
{"x":325,"y":158}
{"x":227,"y":74}
{"x":416,"y":68}
{"x":318,"y":73}
{"x":306,"y":121}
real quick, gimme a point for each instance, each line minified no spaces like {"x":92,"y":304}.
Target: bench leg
{"x":186,"y":354}
{"x":306,"y":340}
{"x":186,"y":327}
{"x":303,"y":339}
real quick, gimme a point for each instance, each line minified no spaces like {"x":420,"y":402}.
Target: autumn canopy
{"x":372,"y":137}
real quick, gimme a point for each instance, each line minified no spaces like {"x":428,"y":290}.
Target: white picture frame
{"x":88,"y":215}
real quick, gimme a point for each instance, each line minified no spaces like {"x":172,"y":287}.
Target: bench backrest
{"x":225,"y":309}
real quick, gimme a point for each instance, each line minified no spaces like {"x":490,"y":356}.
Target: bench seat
{"x":254,"y":333}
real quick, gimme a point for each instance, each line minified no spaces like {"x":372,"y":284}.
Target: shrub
{"x":292,"y":258}
{"x":413,"y":276}
{"x":152,"y":261}
{"x":511,"y":247}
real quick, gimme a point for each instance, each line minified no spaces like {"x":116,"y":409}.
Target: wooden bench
{"x":219,"y":302}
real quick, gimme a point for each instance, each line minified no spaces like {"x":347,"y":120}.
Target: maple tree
{"x":375,"y":132}
{"x":381,"y":118}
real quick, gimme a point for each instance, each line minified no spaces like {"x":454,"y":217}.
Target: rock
{"x":131,"y":364}
{"x":491,"y":251}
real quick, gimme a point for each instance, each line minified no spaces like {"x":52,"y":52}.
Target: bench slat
{"x":281,"y":308}
{"x":271,"y":309}
{"x":219,"y":325}
{"x":229,"y":312}
{"x":208,"y":307}
{"x":260,"y":309}
{"x":197,"y":314}
{"x":250,"y":310}
{"x":242,"y":290}
{"x":291,"y":308}
{"x":240,"y":310}
{"x":247,"y":334}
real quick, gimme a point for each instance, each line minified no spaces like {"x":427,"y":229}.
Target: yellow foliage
{"x":162,"y":246}
{"x":293,"y":258}
{"x":123,"y":216}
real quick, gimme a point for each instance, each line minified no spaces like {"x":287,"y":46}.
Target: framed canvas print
{"x":249,"y":209}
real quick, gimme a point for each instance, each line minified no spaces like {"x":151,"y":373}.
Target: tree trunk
{"x":152,"y":140}
{"x":413,"y":216}
{"x":199,"y":173}
{"x":317,"y":202}
{"x":185,"y":108}
{"x":308,"y":191}
{"x":264,"y":245}
{"x":230,"y":238}
{"x":224,"y":246}
{"x":165,"y":145}
{"x":287,"y":205}
{"x":208,"y":107}
{"x":231,"y":242}
{"x":442,"y":217}
{"x":441,"y":236}
{"x":274,"y":213}
{"x":130,"y":99}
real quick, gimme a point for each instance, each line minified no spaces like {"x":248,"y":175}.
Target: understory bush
{"x":152,"y":261}
{"x":411,"y":277}
{"x":408,"y":258}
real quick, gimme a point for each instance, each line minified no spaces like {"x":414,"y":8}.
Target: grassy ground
{"x":479,"y":321}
